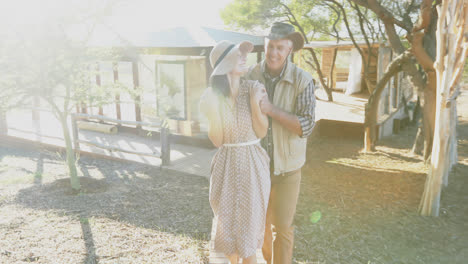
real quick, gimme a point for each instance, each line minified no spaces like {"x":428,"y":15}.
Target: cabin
{"x":346,"y":81}
{"x":169,"y":69}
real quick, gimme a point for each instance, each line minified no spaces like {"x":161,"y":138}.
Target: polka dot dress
{"x":240,"y":182}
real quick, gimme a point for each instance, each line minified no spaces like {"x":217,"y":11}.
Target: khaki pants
{"x":279,"y":232}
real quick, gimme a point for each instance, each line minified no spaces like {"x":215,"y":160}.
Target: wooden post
{"x":117,"y":95}
{"x":259,"y":56}
{"x":165,"y":138}
{"x":208,"y":69}
{"x":36,"y":118}
{"x":136,"y":84}
{"x":84,"y":108}
{"x":98,"y":83}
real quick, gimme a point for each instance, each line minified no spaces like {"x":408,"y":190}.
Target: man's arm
{"x":305,"y":109}
{"x":303,"y":120}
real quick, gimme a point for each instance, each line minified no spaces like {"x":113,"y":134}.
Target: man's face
{"x":276,"y":53}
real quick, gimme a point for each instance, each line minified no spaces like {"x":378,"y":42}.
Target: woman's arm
{"x":209,"y":106}
{"x":259,"y":120}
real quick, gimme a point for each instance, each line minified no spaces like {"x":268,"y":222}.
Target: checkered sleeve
{"x":305,"y":109}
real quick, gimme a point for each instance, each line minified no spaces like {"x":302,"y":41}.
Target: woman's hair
{"x":220,"y":84}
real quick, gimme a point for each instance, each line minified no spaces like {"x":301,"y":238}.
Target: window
{"x":171,"y":90}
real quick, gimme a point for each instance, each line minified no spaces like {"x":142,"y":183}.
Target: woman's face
{"x":241,"y":66}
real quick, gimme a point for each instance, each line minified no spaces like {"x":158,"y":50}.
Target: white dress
{"x":240,"y":181}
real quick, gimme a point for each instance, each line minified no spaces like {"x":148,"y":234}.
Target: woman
{"x":240,"y":178}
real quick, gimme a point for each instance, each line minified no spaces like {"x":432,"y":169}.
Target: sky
{"x":159,"y":14}
{"x":124,"y":16}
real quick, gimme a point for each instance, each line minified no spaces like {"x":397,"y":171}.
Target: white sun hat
{"x":224,"y":56}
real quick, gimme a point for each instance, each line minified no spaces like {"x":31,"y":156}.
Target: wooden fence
{"x":164,"y":154}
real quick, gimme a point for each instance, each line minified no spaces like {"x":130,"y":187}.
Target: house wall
{"x":195,"y":83}
{"x":340,"y":74}
{"x":194,"y":79}
{"x":374,"y":66}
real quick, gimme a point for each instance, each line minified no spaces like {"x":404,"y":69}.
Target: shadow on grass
{"x":128,"y":193}
{"x":89,"y":241}
{"x":359,"y":196}
{"x":368,"y":205}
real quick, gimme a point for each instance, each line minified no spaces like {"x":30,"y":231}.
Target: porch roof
{"x":178,"y":37}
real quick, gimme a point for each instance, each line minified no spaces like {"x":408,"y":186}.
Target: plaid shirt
{"x":305,"y":110}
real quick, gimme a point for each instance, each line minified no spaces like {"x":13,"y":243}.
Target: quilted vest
{"x":289,"y":151}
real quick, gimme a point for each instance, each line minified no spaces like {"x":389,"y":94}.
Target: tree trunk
{"x":452,"y":150}
{"x":418,"y":144}
{"x":372,"y":105}
{"x":429,"y":108}
{"x":71,"y":160}
{"x":332,"y":68}
{"x":452,"y":51}
{"x":321,"y":78}
{"x":418,"y":141}
{"x":431,"y":197}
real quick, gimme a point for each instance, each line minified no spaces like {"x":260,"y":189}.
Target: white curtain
{"x":354,"y":78}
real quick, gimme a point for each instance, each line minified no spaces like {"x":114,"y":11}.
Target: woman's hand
{"x":257,"y":92}
{"x":259,"y":119}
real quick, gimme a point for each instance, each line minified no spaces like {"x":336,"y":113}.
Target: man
{"x":290,"y":106}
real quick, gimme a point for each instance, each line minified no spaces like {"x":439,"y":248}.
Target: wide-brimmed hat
{"x":224,"y":56}
{"x":281,"y":30}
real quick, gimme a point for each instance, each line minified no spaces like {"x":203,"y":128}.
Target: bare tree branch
{"x":425,"y":16}
{"x":421,"y":55}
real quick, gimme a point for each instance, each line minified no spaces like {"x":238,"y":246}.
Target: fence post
{"x":165,"y":138}
{"x":76,"y":144}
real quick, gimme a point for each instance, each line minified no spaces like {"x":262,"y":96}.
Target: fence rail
{"x":164,"y":155}
{"x":125,"y":122}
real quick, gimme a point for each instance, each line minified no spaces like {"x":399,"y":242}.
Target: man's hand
{"x":265,"y":105}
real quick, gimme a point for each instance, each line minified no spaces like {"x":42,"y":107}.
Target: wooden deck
{"x":342,"y":118}
{"x":184,"y":158}
{"x":346,"y":108}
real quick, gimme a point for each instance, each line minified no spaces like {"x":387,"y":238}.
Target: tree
{"x":421,"y":40}
{"x":452,"y":51}
{"x":316,"y":16}
{"x":50,"y":64}
{"x":313,"y":19}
